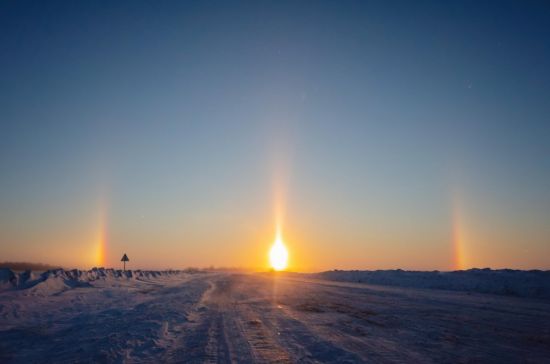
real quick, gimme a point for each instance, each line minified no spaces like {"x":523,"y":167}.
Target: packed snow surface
{"x":173,"y":316}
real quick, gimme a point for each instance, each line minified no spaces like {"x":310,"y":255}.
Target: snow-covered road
{"x":235,"y":317}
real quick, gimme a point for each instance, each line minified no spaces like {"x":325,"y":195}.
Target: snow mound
{"x":7,"y":278}
{"x":532,"y":283}
{"x":59,"y":280}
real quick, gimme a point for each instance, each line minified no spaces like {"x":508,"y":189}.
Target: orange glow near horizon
{"x":100,"y":250}
{"x":458,"y":247}
{"x":458,"y":233}
{"x":100,"y":241}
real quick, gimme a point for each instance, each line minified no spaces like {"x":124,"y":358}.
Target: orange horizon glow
{"x":308,"y":247}
{"x":458,"y":235}
{"x":100,"y":242}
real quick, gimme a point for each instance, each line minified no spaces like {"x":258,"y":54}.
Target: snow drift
{"x":532,"y":283}
{"x":58,"y":280}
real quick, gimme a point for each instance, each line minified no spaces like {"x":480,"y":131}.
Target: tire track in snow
{"x":237,"y":321}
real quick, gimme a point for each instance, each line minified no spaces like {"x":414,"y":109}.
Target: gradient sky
{"x":390,"y":134}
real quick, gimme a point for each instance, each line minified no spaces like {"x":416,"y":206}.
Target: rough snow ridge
{"x":532,"y":283}
{"x":57,"y":280}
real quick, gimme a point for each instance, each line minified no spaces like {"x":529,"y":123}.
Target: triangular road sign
{"x":125,"y":259}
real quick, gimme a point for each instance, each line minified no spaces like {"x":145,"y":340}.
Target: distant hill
{"x":28,"y":266}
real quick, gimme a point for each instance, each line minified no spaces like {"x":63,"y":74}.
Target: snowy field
{"x":154,"y":317}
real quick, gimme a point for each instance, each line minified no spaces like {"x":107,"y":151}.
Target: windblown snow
{"x":105,"y":315}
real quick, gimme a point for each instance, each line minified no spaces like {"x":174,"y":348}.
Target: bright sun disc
{"x":278,"y":255}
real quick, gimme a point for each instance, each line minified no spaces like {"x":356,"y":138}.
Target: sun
{"x":278,"y":255}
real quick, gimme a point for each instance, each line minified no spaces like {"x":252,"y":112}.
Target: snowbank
{"x":57,"y":280}
{"x":532,"y":283}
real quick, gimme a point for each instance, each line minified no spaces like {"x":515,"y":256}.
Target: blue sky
{"x":181,"y":123}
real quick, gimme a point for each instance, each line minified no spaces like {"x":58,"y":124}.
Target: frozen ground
{"x":107,"y":316}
